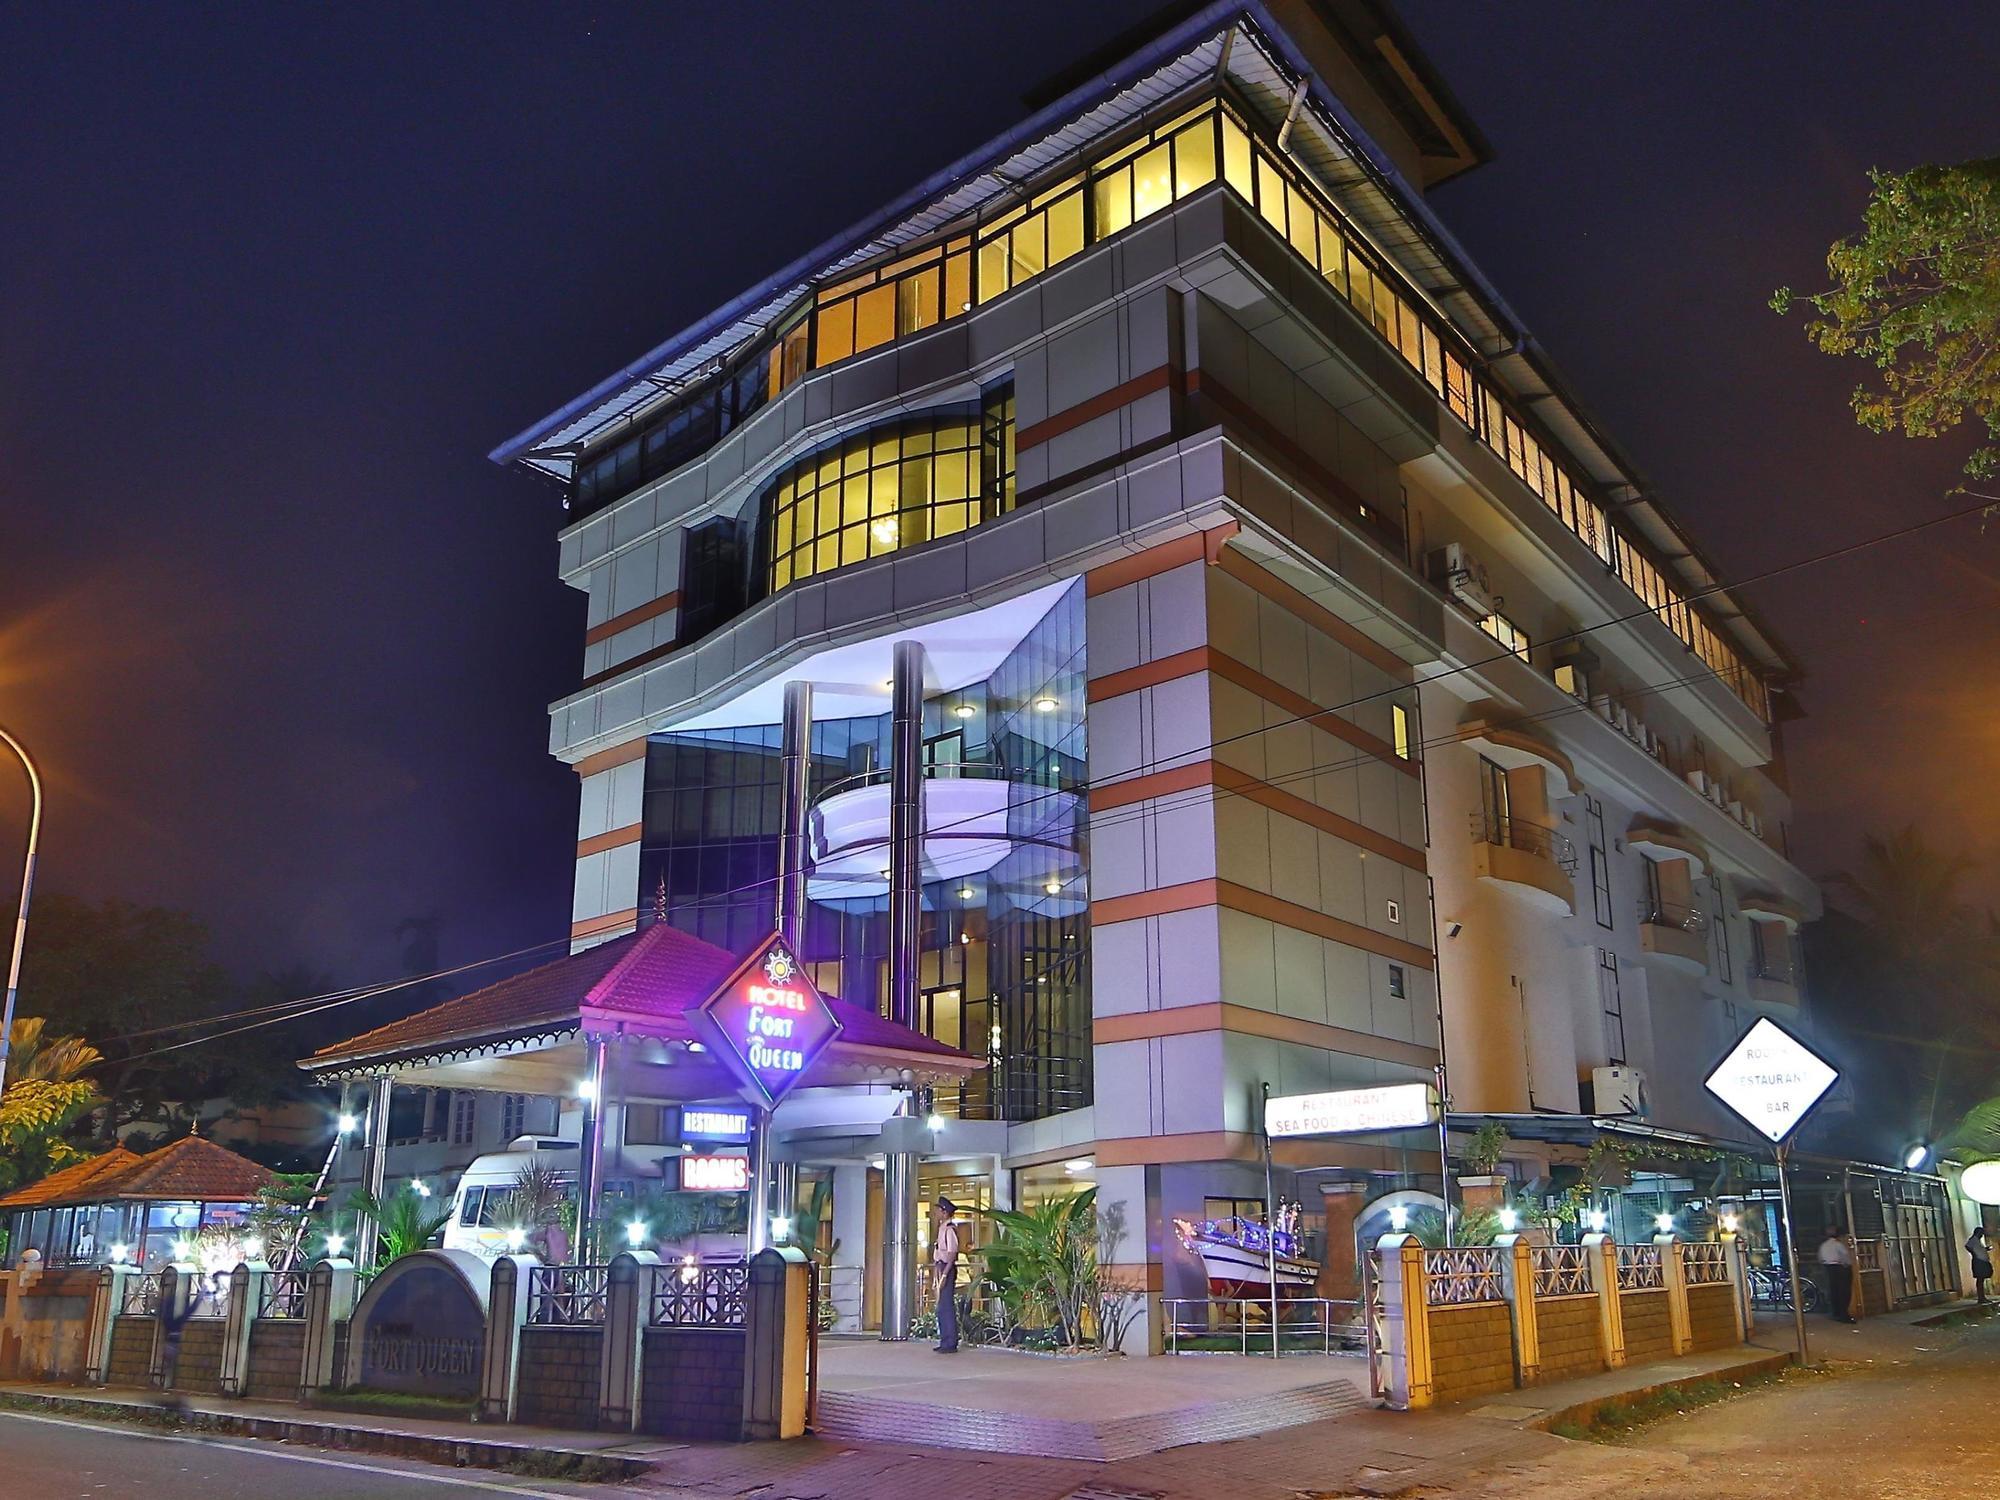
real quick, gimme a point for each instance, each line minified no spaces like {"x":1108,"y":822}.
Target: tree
{"x":47,"y":1093}
{"x":1916,"y":294}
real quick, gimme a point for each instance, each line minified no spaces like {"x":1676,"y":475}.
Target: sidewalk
{"x":1364,"y":1452}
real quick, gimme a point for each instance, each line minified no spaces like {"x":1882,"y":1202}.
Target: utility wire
{"x":312,"y":1005}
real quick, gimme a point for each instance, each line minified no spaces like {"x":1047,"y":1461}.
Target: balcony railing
{"x":566,"y":1296}
{"x":1530,"y":838}
{"x":1775,"y":970}
{"x":1672,"y":914}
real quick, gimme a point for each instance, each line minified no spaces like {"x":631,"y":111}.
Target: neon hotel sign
{"x":771,"y":1022}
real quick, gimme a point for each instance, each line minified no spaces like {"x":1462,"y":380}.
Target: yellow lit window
{"x":1399,"y":717}
{"x":1194,"y":158}
{"x":1152,"y":181}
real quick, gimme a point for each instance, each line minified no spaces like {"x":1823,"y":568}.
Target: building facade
{"x":1306,"y":695}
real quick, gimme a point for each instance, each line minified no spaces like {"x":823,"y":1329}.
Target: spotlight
{"x":1509,"y":1220}
{"x":934,"y":1123}
{"x":335,"y":1243}
{"x":1053,"y":888}
{"x":182,"y":1250}
{"x":1597,"y":1219}
{"x":781,"y":1227}
{"x":586,"y":1089}
{"x":635,"y":1233}
{"x":1664,"y":1223}
{"x":1079,"y":1164}
{"x":516,"y":1238}
{"x":1399,"y":1217}
{"x":347,"y":1124}
{"x":119,"y":1253}
{"x":1729,"y":1223}
{"x":965,"y":893}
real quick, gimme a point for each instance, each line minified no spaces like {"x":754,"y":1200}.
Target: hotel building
{"x":1228,"y":660}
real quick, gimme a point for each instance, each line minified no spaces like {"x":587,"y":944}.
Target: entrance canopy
{"x":526,"y":1034}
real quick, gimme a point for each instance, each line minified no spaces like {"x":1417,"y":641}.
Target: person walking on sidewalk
{"x":1981,"y":1252}
{"x":944,"y":1273}
{"x":1837,"y":1262}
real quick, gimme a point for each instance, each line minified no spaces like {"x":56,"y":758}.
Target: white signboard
{"x":1395,"y":1106}
{"x":1771,"y":1079}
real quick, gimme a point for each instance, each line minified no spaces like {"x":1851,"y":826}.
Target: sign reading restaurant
{"x":1394,"y":1106}
{"x":1771,"y":1079}
{"x":770,"y":1022}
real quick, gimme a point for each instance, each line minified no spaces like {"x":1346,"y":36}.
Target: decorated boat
{"x":1237,"y":1254}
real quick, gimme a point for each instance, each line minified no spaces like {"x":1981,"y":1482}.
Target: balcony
{"x":1536,"y":860}
{"x":1677,"y":935}
{"x":974,"y":817}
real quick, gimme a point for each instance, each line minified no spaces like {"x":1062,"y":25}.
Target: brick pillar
{"x":105,"y":1304}
{"x":628,"y":1287}
{"x":775,"y":1310}
{"x":1735,"y":1260}
{"x":329,"y":1303}
{"x":1600,"y":1254}
{"x":1340,"y":1273}
{"x":1406,"y":1333}
{"x":1673,"y":1276}
{"x":246,"y":1289}
{"x":1476,"y":1193}
{"x":1517,"y":1281}
{"x":506,"y":1313}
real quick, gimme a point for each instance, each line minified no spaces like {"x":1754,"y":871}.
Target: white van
{"x":476,"y":1208}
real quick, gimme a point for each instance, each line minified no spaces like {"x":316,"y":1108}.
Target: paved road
{"x":52,"y":1458}
{"x":1921,"y":1424}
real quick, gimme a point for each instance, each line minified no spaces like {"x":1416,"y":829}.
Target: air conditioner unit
{"x":1756,"y":824}
{"x":1462,"y":575}
{"x":1698,"y":779}
{"x":1736,"y":811}
{"x":1606,"y":709}
{"x":1620,"y":1090}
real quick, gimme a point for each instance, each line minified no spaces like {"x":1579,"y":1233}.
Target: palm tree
{"x":33,"y":1053}
{"x":403,"y":1225}
{"x":1909,"y":892}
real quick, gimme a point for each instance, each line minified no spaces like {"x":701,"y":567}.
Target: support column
{"x":628,"y":1285}
{"x":906,"y":829}
{"x":1340,"y":1271}
{"x":375,"y":1167}
{"x":847,"y":1281}
{"x":1600,"y":1255}
{"x":1673,"y":1276}
{"x":105,"y":1305}
{"x":1406,"y":1329}
{"x":899,"y":1225}
{"x":792,"y":810}
{"x":1517,"y":1280}
{"x":906,"y":847}
{"x":246,"y":1293}
{"x":758,"y":1231}
{"x":785,"y":1195}
{"x":590,"y":1173}
{"x":1739,"y":1283}
{"x":330,"y":1295}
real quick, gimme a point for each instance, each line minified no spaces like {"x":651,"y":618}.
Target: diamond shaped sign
{"x":1771,"y":1079}
{"x":769,"y":1021}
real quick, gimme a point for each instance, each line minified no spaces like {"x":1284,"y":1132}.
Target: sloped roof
{"x":66,"y":1186}
{"x":657,"y":974}
{"x":191,"y":1169}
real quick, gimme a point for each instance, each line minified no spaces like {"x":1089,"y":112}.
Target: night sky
{"x":274,"y":279}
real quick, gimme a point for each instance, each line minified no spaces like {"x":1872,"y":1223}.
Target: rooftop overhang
{"x":1512,"y":746}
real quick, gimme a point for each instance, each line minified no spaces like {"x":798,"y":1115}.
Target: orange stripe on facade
{"x":614,"y":921}
{"x":632,"y":617}
{"x":1194,"y":894}
{"x":1200,"y":546}
{"x":615,"y":838}
{"x":1186,"y":1020}
{"x":1102,"y":404}
{"x":604,"y":760}
{"x":1228,"y":779}
{"x":1229,"y":669}
{"x":1296,"y":603}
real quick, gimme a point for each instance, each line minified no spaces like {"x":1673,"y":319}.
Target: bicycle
{"x":1770,"y":1287}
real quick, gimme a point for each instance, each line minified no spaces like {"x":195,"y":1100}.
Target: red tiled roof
{"x":658,"y":972}
{"x":189,"y":1169}
{"x":64,"y":1187}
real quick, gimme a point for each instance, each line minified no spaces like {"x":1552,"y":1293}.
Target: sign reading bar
{"x":706,"y":1123}
{"x":771,"y":1023}
{"x":715,"y":1174}
{"x":1394,"y":1106}
{"x":1771,"y":1079}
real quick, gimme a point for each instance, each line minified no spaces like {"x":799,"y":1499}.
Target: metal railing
{"x":1640,"y":1269}
{"x":1672,"y":914}
{"x":1530,"y":838}
{"x":142,"y":1295}
{"x":1305,"y":1325}
{"x":1561,"y":1270}
{"x":282,"y":1295}
{"x":1867,"y":1255}
{"x":698,"y":1296}
{"x":1703,"y":1262}
{"x":1466,"y":1274}
{"x":565,"y":1296}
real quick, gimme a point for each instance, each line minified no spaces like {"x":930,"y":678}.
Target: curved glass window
{"x":891,"y":487}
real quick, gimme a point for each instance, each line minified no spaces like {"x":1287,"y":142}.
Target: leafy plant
{"x":1488,"y":1145}
{"x":1479,"y":1226}
{"x":279,"y":1219}
{"x":35,"y":1114}
{"x":1045,"y":1266}
{"x":33,"y":1053}
{"x":404,"y":1224}
{"x":1916,"y":294}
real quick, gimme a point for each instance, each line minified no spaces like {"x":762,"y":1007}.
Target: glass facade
{"x":1005,"y":952}
{"x":1121,"y":187}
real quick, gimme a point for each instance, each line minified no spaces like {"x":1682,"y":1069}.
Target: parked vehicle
{"x":479,"y":1207}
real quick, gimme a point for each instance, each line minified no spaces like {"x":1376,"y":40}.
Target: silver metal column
{"x":759,"y":1233}
{"x":374,"y":1168}
{"x":906,"y":828}
{"x":792,"y":812}
{"x":785,"y":1195}
{"x":590,"y":1175}
{"x":899,"y":1244}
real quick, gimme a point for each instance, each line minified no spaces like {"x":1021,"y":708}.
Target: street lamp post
{"x":27,"y":889}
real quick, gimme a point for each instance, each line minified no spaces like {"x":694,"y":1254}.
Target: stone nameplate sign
{"x":421,"y":1328}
